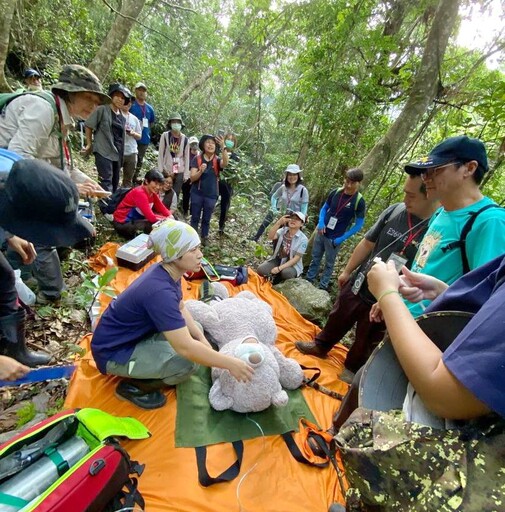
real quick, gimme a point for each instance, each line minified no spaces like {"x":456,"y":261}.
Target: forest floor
{"x":57,"y":329}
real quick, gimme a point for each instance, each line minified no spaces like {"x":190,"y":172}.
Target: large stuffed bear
{"x":243,"y":326}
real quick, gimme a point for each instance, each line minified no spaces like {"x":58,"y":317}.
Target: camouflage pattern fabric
{"x":392,"y":465}
{"x":76,"y":78}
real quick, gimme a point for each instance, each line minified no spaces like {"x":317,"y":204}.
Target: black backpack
{"x":109,"y":206}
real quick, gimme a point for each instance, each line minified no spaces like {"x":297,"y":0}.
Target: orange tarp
{"x":270,"y":478}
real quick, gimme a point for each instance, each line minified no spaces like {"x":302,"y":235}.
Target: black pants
{"x":349,"y":403}
{"x":8,"y":294}
{"x":186,"y":195}
{"x":225,"y":191}
{"x":130,"y":230}
{"x":108,"y":172}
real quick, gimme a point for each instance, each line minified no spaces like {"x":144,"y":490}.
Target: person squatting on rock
{"x":147,"y":336}
{"x":290,"y":246}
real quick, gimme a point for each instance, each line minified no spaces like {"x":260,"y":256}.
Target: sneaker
{"x":346,"y":376}
{"x":44,"y":300}
{"x":322,"y":287}
{"x":144,"y":399}
{"x":205,"y":241}
{"x":311,"y":349}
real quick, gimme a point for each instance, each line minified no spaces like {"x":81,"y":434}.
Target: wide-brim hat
{"x":76,"y":78}
{"x":175,"y":116}
{"x":204,"y":138}
{"x":383,"y":383}
{"x":38,"y":202}
{"x":454,"y":149}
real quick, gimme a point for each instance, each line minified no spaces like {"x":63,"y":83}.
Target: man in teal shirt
{"x":452,"y":173}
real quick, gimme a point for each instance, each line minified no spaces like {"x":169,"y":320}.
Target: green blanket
{"x":198,"y":424}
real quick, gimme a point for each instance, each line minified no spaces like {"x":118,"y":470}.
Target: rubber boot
{"x":13,"y":343}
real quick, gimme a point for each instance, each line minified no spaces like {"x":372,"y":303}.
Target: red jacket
{"x":139,"y":204}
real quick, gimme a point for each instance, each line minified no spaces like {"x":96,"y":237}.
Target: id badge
{"x":358,"y":283}
{"x":175,"y":168}
{"x":398,"y":260}
{"x":332,"y":223}
{"x":145,"y":122}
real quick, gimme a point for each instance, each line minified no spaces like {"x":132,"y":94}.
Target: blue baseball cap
{"x":454,"y":149}
{"x":31,"y":72}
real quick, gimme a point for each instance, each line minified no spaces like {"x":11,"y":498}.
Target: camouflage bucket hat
{"x":75,"y":78}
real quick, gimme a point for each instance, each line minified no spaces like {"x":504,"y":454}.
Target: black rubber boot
{"x":132,"y":391}
{"x":13,"y":343}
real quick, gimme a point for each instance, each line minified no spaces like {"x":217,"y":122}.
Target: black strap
{"x":461,"y":243}
{"x":299,"y":456}
{"x":226,"y":476}
{"x":314,"y":377}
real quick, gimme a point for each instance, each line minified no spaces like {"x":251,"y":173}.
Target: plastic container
{"x":26,"y":295}
{"x":135,"y":254}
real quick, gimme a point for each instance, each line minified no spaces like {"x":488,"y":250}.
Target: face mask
{"x":176,"y":127}
{"x":229,"y":144}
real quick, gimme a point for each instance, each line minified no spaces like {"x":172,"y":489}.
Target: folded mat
{"x":270,"y":479}
{"x":193,"y":408}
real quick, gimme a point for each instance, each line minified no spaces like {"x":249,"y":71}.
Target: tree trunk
{"x":424,"y":91}
{"x":7,"y":8}
{"x":117,"y":37}
{"x":196,"y":84}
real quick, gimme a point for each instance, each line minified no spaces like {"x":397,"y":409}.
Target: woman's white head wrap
{"x":172,"y":239}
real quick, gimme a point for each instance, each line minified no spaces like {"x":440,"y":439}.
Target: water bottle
{"x":24,"y":293}
{"x":30,"y":483}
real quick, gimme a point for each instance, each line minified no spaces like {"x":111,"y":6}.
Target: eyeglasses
{"x":429,"y":174}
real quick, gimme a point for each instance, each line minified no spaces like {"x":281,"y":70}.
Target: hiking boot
{"x":205,"y":241}
{"x":45,"y":300}
{"x":145,"y":399}
{"x":13,"y":343}
{"x":346,"y":376}
{"x":310,"y":348}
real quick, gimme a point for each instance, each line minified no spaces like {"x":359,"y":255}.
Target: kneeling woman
{"x":290,"y":246}
{"x":141,"y":207}
{"x":147,"y":335}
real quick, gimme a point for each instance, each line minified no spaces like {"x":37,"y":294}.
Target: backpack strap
{"x":227,"y":475}
{"x":461,"y":243}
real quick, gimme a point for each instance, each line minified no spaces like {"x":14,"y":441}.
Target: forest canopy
{"x":328,"y":84}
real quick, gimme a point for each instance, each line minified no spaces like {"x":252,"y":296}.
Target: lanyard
{"x":65,"y":154}
{"x":412,"y":235}
{"x":339,"y":208}
{"x":143,"y":108}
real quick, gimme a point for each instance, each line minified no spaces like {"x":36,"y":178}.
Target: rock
{"x":312,"y":303}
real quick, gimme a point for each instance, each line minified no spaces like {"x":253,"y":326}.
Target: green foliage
{"x":25,"y":414}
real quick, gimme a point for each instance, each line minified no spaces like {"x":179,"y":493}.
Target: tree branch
{"x":180,"y":7}
{"x":142,"y":25}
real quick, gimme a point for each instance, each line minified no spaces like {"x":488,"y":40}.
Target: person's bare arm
{"x":24,"y":248}
{"x":358,"y":256}
{"x":193,"y":329}
{"x":189,"y":348}
{"x":419,"y":357}
{"x":291,"y":262}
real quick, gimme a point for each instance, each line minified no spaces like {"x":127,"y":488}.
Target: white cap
{"x":300,"y":215}
{"x":293,"y":169}
{"x":193,"y":140}
{"x":140,"y":85}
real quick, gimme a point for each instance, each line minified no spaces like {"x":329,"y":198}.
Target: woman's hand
{"x":10,"y":369}
{"x":240,"y":369}
{"x":383,"y":277}
{"x":375,"y":315}
{"x":86,"y":150}
{"x":24,"y":248}
{"x":275,"y":270}
{"x":416,"y":287}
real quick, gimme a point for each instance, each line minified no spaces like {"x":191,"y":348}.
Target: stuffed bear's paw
{"x":280,"y":399}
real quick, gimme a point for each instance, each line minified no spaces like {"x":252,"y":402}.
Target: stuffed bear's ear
{"x":202,"y":313}
{"x":217,"y":399}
